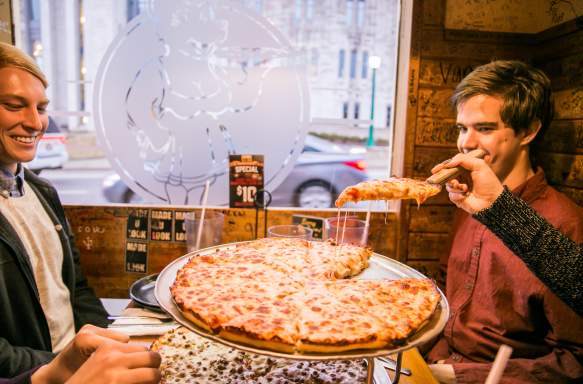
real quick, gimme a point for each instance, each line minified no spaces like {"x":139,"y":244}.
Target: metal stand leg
{"x":369,"y":370}
{"x":398,"y":368}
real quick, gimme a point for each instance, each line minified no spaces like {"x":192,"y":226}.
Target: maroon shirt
{"x":495,"y":299}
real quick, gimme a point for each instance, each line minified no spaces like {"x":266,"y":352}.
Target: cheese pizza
{"x":296,"y":296}
{"x":389,"y":189}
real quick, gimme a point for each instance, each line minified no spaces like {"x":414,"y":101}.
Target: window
{"x":364,"y":72}
{"x":360,"y":10}
{"x":309,"y":9}
{"x":353,"y":55}
{"x":330,"y":46}
{"x":349,"y":12}
{"x":298,"y":10}
{"x":341,"y":55}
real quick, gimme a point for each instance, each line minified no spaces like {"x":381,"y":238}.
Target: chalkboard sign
{"x":136,"y":256}
{"x":161,"y":225}
{"x":245,"y":180}
{"x":179,"y":228}
{"x":137,"y":228}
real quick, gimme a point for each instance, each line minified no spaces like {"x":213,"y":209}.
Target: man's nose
{"x":469,"y":141}
{"x":33,"y":119}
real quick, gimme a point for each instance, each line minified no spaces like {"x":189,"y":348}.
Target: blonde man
{"x":44,"y":297}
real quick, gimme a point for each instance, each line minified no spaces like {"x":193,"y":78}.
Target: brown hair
{"x":525,"y":92}
{"x":11,"y":56}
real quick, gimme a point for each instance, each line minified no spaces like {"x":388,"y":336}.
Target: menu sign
{"x":179,"y":228}
{"x":161,"y":225}
{"x":137,"y":241}
{"x":245,"y":181}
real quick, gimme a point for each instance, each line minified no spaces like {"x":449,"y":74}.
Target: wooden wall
{"x":440,"y":58}
{"x":101,"y":234}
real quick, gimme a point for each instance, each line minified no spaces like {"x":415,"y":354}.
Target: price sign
{"x":245,"y":180}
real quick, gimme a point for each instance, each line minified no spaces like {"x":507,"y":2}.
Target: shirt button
{"x":58,"y":227}
{"x":475,"y":252}
{"x":455,"y":357}
{"x":468,"y":286}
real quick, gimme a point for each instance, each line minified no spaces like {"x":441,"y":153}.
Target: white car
{"x":51,"y":151}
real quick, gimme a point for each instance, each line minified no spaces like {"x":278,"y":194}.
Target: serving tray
{"x":380,"y":267}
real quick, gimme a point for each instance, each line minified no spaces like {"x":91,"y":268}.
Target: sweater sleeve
{"x":554,"y":258}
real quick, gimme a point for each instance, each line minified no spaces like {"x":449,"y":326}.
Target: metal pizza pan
{"x":380,"y":267}
{"x":142,"y":291}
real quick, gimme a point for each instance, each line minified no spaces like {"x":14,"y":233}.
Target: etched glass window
{"x":234,"y":81}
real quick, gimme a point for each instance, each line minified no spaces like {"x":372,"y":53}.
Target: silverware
{"x":162,"y":319}
{"x":380,"y":375}
{"x":392,"y":365}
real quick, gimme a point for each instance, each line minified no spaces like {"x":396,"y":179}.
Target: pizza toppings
{"x":296,"y":296}
{"x":189,"y":358}
{"x":389,"y":189}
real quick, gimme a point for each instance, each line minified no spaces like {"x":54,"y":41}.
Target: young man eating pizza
{"x":503,"y":108}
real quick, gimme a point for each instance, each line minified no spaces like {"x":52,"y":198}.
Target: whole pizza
{"x":296,"y":296}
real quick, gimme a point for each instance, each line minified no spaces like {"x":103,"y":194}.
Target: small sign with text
{"x":245,"y":181}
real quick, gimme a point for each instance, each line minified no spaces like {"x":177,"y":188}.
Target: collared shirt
{"x":11,"y":185}
{"x":495,"y":299}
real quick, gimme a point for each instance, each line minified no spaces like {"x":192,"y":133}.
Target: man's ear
{"x":531,"y":133}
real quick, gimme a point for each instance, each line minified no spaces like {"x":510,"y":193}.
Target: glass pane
{"x":334,"y":41}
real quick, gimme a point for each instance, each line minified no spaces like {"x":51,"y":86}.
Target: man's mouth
{"x":25,"y":139}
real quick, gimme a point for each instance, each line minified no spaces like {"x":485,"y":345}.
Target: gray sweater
{"x":554,"y":258}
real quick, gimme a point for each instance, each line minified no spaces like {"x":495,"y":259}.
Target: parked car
{"x":51,"y":151}
{"x":321,"y":172}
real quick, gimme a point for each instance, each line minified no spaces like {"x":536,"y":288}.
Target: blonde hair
{"x":11,"y":56}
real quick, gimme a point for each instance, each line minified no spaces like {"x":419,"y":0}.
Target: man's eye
{"x":461,"y":128}
{"x":12,"y":106}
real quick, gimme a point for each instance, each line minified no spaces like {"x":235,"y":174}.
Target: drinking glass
{"x":291,"y":231}
{"x":350,"y":230}
{"x":212,"y":229}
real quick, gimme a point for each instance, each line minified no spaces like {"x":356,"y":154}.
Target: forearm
{"x":552,"y":256}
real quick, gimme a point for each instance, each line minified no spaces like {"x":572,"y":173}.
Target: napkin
{"x":142,"y":322}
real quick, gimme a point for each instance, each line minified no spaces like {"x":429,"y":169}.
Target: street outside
{"x":80,"y":180}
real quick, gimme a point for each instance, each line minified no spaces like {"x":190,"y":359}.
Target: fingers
{"x":141,"y":376}
{"x":104,"y":332}
{"x":461,"y":159}
{"x":143,"y":359}
{"x":90,"y":338}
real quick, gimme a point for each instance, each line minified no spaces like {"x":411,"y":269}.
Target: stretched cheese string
{"x":344,"y":226}
{"x":337,"y":226}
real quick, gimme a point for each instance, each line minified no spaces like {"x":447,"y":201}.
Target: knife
{"x":391,"y":364}
{"x":448,"y":173}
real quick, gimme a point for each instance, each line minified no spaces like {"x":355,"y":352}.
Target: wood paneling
{"x":569,"y":103}
{"x":431,"y":218}
{"x":563,"y":136}
{"x":436,"y":132}
{"x":566,"y":170}
{"x":435,"y":103}
{"x":445,"y":73}
{"x":427,"y":246}
{"x":426,"y":158}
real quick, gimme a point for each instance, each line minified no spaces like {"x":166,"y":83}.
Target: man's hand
{"x":443,"y":373}
{"x":485,"y":184}
{"x":83,"y":359}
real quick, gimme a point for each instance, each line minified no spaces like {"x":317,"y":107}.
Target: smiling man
{"x":44,"y":298}
{"x":503,"y":108}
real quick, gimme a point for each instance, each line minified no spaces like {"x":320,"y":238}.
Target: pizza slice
{"x":403,"y":305}
{"x":327,"y":325}
{"x":272,"y":325}
{"x":389,"y":189}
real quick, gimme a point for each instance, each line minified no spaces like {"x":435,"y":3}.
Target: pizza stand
{"x":380,"y":267}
